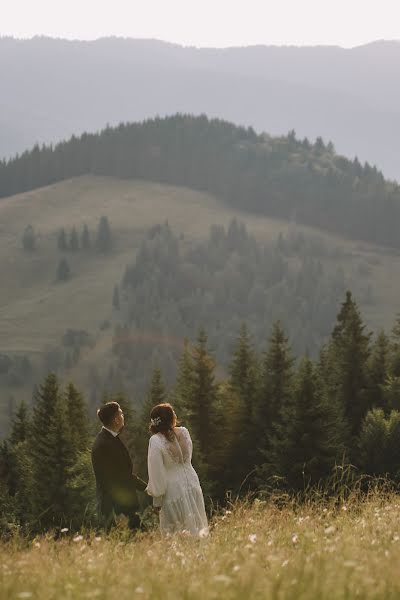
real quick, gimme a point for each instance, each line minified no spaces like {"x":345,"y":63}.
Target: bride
{"x":173,"y":482}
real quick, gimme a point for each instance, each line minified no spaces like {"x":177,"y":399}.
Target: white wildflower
{"x":64,"y":530}
{"x":330,"y":529}
{"x":285,"y":563}
{"x":222,"y":579}
{"x":78,"y":538}
{"x":24,"y":595}
{"x":139,"y":590}
{"x":203,"y":533}
{"x":295,"y":539}
{"x":253,"y":538}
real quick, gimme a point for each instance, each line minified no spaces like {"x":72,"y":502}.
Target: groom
{"x":116,"y":485}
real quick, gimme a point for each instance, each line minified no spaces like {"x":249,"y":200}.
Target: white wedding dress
{"x":174,"y":484}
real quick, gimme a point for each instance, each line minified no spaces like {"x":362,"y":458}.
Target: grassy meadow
{"x":311,"y":551}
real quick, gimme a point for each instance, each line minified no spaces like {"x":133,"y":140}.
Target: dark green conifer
{"x":103,"y":238}
{"x":348,"y":359}
{"x":378,"y":372}
{"x":115,"y":299}
{"x":276,"y":384}
{"x":78,"y":419}
{"x":62,"y":240}
{"x":309,"y":438}
{"x":52,"y":454}
{"x":204,"y":397}
{"x":73,"y":240}
{"x":85,"y":238}
{"x":63,"y":270}
{"x":29,"y":239}
{"x":182,"y":395}
{"x":244,"y":382}
{"x":20,"y":425}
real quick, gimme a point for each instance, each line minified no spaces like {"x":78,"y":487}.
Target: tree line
{"x":270,"y":422}
{"x":282,"y":177}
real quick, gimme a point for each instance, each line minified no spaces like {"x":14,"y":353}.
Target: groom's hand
{"x":139,"y":483}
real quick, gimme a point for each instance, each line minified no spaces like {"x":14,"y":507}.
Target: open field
{"x":311,"y":552}
{"x":35,"y":311}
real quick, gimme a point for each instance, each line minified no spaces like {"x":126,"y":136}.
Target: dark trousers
{"x":108,"y":517}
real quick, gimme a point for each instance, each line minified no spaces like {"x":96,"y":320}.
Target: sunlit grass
{"x":258,"y":550}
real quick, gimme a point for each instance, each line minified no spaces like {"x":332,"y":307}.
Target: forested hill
{"x":280,"y":177}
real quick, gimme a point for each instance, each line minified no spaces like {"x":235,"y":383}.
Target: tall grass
{"x":316,"y":549}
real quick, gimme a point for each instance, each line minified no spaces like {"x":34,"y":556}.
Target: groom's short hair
{"x":107,"y":412}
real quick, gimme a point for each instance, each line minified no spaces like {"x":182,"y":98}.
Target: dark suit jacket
{"x":115,"y":483}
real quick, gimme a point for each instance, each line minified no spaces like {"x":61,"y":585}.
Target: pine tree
{"x":309,"y":439}
{"x":203,"y":401}
{"x":378,"y":372}
{"x":276,"y":385}
{"x":244,"y":383}
{"x":62,"y":240}
{"x":78,"y":419}
{"x":29,"y":239}
{"x":63,"y":270}
{"x":73,"y":240}
{"x":20,"y":425}
{"x":115,"y":299}
{"x":51,"y":453}
{"x":182,"y":395}
{"x":85,"y":238}
{"x":348,"y":359}
{"x":103,"y":238}
{"x":379,"y":444}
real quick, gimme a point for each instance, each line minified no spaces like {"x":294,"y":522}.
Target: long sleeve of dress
{"x":157,"y":475}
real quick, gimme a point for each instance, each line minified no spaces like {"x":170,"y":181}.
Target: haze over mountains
{"x":52,"y":89}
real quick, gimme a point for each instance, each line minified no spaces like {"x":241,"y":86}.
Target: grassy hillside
{"x":36,"y":311}
{"x":312,"y":552}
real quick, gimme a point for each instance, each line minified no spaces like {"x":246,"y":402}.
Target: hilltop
{"x":348,"y":95}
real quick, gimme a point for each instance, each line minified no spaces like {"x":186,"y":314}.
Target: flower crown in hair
{"x":156,"y":421}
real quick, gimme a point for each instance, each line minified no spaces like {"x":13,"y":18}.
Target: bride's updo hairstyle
{"x":163,"y":420}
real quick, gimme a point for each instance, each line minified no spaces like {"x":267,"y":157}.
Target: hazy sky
{"x":207,"y":22}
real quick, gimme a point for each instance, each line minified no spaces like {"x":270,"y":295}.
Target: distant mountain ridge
{"x":52,"y":89}
{"x":280,"y":177}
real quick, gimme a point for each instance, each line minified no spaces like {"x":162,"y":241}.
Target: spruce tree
{"x":204,"y":397}
{"x":275,"y":387}
{"x":73,"y":240}
{"x":63,"y":270}
{"x":62,"y":240}
{"x":29,"y":239}
{"x":115,"y":299}
{"x":348,"y":363}
{"x":85,"y":238}
{"x":103,"y":238}
{"x":182,"y":395}
{"x":78,"y":419}
{"x":244,"y":382}
{"x":378,"y":372}
{"x":20,"y":425}
{"x":309,"y":438}
{"x":52,"y":455}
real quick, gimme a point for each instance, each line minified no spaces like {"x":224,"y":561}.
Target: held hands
{"x":140,"y":484}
